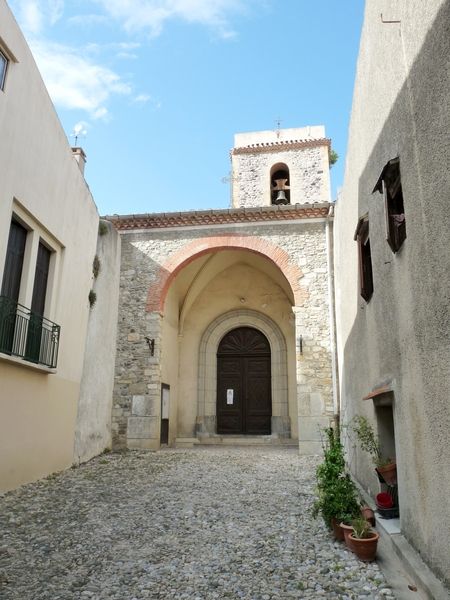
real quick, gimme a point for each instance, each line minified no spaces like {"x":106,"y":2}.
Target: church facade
{"x":225,"y":316}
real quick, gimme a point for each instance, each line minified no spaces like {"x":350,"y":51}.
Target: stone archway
{"x":207,"y":374}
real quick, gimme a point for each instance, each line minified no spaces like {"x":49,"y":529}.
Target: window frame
{"x":26,"y":349}
{"x":389,"y":184}
{"x":365,"y":268}
{"x":5,"y":71}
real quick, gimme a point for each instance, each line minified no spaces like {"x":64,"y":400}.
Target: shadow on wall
{"x":402,"y":335}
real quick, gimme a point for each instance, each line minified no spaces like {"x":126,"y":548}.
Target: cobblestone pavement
{"x":208,"y":523}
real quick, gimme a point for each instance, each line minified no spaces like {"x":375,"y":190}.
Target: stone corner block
{"x":143,"y":427}
{"x":142,"y":406}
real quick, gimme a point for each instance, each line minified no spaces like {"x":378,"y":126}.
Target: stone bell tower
{"x":281,"y":167}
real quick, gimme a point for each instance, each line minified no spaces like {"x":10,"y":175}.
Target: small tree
{"x":336,"y":492}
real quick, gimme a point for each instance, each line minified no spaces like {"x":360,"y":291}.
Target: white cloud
{"x":75,"y":82}
{"x":33,"y":15}
{"x":142,"y":99}
{"x":151,"y":15}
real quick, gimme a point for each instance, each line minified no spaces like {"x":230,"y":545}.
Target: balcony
{"x":26,"y":335}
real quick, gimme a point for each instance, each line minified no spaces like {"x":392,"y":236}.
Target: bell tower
{"x":281,"y":167}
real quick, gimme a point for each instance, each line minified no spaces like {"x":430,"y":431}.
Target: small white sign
{"x":165,"y":403}
{"x":230,"y":394}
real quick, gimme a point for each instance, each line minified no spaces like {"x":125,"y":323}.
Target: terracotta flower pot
{"x":368,"y":514}
{"x":347,"y":529}
{"x":365,"y":548}
{"x":389,"y":473}
{"x":338,"y":532}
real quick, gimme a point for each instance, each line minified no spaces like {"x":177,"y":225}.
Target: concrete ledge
{"x":401,"y":563}
{"x":422,"y":576}
{"x":21,"y":362}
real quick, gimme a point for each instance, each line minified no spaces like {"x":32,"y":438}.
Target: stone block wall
{"x":146,"y":258}
{"x":308,"y":170}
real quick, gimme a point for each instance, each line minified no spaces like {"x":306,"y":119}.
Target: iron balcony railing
{"x":27,"y":335}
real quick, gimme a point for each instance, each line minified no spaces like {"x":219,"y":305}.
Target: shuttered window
{"x":40,"y":280}
{"x":389,"y":184}
{"x":14,"y":261}
{"x":364,"y":258}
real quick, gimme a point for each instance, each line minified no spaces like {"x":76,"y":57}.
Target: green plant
{"x":333,"y":157}
{"x":92,"y":298}
{"x":361,"y":528}
{"x":102,"y":228}
{"x":96,"y":266}
{"x":336,"y":492}
{"x":368,"y":440}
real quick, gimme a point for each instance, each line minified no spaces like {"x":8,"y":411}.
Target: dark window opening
{"x":364,"y":259}
{"x":40,"y":280}
{"x":389,"y":184}
{"x":14,"y":261}
{"x":280,"y":191}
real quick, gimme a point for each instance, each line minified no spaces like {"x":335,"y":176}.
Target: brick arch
{"x":188,"y":253}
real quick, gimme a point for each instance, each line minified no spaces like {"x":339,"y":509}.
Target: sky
{"x":157,"y":89}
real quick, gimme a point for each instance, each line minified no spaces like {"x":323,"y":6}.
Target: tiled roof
{"x":281,"y":145}
{"x":219,"y":217}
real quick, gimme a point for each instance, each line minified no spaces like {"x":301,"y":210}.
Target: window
{"x":280,"y":191}
{"x":15,"y":253}
{"x":364,"y":258}
{"x":389,"y":184}
{"x":26,"y":333}
{"x":3,"y":68}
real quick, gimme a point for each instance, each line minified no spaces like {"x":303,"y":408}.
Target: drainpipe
{"x":331,"y":312}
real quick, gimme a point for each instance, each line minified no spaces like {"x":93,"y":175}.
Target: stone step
{"x":185,"y":442}
{"x":246,"y":440}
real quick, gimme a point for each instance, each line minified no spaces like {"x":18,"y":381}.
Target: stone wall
{"x":146,"y":258}
{"x":308,"y":169}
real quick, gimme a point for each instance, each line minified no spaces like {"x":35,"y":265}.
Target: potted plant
{"x":385,"y":467}
{"x":364,"y":540}
{"x":336,"y":492}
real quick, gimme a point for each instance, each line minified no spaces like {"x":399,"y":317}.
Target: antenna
{"x":79,"y":130}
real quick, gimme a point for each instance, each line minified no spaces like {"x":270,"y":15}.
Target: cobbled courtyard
{"x":207,"y":523}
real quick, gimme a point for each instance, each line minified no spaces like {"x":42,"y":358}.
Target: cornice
{"x":207,"y":218}
{"x":281,"y":145}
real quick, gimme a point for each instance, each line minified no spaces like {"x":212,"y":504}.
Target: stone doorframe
{"x":207,"y":373}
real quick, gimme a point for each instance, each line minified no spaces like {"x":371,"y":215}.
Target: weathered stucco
{"x":41,"y":184}
{"x":93,"y":428}
{"x":401,"y":337}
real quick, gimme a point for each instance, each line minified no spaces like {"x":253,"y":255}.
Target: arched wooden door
{"x":244,"y":402}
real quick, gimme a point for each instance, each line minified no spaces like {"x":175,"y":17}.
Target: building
{"x":224,"y":315}
{"x":45,"y":272}
{"x":392,"y":264}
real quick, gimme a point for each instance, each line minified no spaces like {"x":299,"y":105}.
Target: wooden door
{"x":244,"y":403}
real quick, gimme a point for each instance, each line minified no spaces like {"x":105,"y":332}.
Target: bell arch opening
{"x":280,"y":188}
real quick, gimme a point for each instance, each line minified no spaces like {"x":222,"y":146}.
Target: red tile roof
{"x":219,"y":217}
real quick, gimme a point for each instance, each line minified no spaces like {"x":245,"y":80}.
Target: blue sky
{"x":161,"y":86}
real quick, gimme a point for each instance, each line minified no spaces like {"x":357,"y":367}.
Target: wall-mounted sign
{"x":230,"y":395}
{"x":165,"y":402}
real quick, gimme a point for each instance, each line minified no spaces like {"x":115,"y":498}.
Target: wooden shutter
{"x":40,"y":280}
{"x":14,"y":261}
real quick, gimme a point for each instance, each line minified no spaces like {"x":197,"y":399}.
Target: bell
{"x":280,"y":184}
{"x":281,"y":198}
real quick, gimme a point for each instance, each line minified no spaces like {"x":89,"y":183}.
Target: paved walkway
{"x":208,"y":523}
